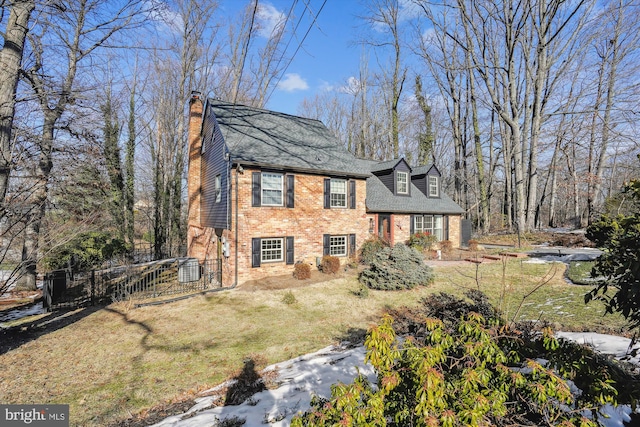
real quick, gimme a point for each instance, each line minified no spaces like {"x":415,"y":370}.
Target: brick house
{"x":267,"y":190}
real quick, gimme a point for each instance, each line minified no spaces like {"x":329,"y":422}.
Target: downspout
{"x":237,"y":226}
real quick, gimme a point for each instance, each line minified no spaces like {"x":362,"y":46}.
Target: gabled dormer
{"x":428,"y":179}
{"x":395,"y":175}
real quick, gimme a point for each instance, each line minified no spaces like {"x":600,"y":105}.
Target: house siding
{"x":215,"y":161}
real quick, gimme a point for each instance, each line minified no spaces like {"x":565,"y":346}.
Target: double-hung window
{"x":271,"y":189}
{"x":271,"y":250}
{"x":402,"y":182}
{"x":338,"y":245}
{"x":418,"y":224}
{"x":434,"y":187}
{"x":338,"y":193}
{"x":266,"y":250}
{"x":432,"y":224}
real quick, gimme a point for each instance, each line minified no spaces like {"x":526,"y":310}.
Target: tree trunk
{"x":39,"y":200}
{"x":10,"y":59}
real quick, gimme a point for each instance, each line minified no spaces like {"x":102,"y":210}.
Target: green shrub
{"x":467,"y":372}
{"x":362,"y":292}
{"x":86,"y":251}
{"x":397,"y":268}
{"x":422,"y":241}
{"x":370,"y":248}
{"x":330,"y":264}
{"x":617,"y":270}
{"x":289,"y":298}
{"x":302,"y":271}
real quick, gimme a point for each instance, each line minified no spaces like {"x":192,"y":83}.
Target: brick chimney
{"x":194,"y":184}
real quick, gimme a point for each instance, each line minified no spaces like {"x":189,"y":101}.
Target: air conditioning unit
{"x":188,"y":270}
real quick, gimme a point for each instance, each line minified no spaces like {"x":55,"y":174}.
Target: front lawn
{"x":114,"y":362}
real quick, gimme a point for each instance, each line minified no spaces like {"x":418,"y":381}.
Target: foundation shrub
{"x":446,"y":246}
{"x":330,"y":264}
{"x":473,"y":245}
{"x":397,"y":268}
{"x":302,"y":271}
{"x":370,"y":248}
{"x":422,"y":241}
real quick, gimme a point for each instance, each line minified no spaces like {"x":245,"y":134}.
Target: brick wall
{"x":454,"y":230}
{"x":199,"y":238}
{"x":306,"y":222}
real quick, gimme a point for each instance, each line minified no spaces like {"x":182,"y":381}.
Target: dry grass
{"x":114,"y":362}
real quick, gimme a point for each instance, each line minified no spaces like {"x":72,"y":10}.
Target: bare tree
{"x":76,"y":32}
{"x":384,"y":17}
{"x":617,"y":42}
{"x":10,"y":61}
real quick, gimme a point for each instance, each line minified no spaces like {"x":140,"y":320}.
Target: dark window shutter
{"x":290,"y":253}
{"x":290,"y":190}
{"x":327,"y":193}
{"x":412,"y":224}
{"x":352,"y":245}
{"x":326,"y":242}
{"x":255,"y":252}
{"x":352,"y":194}
{"x":446,"y":227}
{"x":256,"y":178}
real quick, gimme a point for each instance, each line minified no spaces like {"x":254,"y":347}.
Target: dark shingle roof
{"x":381,"y":199}
{"x":266,"y":138}
{"x":270,"y":139}
{"x":421,"y":170}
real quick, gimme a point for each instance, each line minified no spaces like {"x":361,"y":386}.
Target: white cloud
{"x":351,"y":87}
{"x":292,"y":82}
{"x":269,"y":20}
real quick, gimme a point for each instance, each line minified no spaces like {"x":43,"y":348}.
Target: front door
{"x":384,"y":227}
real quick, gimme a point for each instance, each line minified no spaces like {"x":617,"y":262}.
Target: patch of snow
{"x":300,"y":379}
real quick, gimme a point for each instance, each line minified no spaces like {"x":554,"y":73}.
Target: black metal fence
{"x":156,"y":279}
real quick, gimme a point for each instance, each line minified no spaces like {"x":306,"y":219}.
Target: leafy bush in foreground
{"x":397,"y":268}
{"x":471,"y":372}
{"x":618,"y":267}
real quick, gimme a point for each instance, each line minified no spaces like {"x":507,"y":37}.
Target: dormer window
{"x":434,"y":186}
{"x":402,"y":182}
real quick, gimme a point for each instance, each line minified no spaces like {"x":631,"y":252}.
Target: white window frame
{"x":434,"y":186}
{"x":273,"y":189}
{"x":418,"y":224}
{"x":338,"y":245}
{"x":217,"y":188}
{"x":340,"y":199}
{"x":404,"y":182}
{"x":432,"y":224}
{"x":271,"y":250}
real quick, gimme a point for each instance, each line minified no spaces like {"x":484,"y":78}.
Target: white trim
{"x":334,"y":245}
{"x":273,"y":190}
{"x":277,"y":245}
{"x":405,"y":182}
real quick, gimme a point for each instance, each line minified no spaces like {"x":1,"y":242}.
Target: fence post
{"x":93,"y":287}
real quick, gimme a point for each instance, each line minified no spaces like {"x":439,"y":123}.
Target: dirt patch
{"x":287,"y":281}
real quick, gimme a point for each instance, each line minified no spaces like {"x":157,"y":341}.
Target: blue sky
{"x":328,"y":56}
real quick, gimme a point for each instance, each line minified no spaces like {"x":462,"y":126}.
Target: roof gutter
{"x":303,"y":170}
